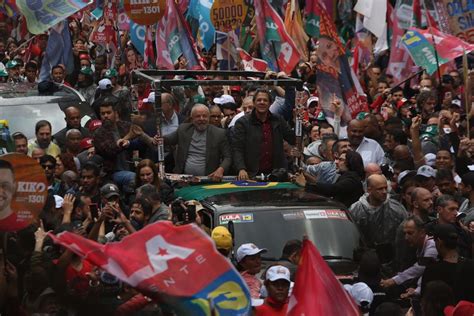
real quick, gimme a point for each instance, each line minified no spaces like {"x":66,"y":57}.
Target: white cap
{"x":223,"y":99}
{"x":58,"y":201}
{"x":311,"y":100}
{"x":426,"y":171}
{"x":248,"y":250}
{"x":312,"y":149}
{"x":150,"y":99}
{"x":430,"y":159}
{"x":361,"y":293}
{"x":105,"y":84}
{"x":278,"y":273}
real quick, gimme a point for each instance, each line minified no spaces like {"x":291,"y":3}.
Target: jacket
{"x":105,"y":143}
{"x":347,"y":189}
{"x":378,"y":224}
{"x":218,"y":152}
{"x":247,"y":140}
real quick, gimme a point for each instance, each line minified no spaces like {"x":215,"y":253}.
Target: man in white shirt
{"x":369,"y":149}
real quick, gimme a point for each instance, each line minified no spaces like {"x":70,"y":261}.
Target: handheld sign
{"x":23,"y":191}
{"x":144,"y":12}
{"x":227,"y":15}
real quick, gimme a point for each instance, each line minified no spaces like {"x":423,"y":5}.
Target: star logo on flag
{"x":162,"y":252}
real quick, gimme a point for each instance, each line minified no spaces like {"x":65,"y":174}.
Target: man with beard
{"x":86,"y":85}
{"x":49,"y":165}
{"x":110,"y":144}
{"x":203,"y":149}
{"x":90,"y":181}
{"x":140,"y":213}
{"x":73,"y":120}
{"x":43,"y":140}
{"x":13,"y":70}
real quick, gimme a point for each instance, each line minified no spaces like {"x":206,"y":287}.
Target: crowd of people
{"x":404,"y":170}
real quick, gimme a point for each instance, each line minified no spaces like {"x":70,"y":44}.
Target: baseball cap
{"x":278,"y":273}
{"x":426,"y":171}
{"x":456,"y":102}
{"x":84,"y":56}
{"x":321,"y":116}
{"x":86,"y":143}
{"x":150,"y":99}
{"x":12,"y":64}
{"x":361,"y":293}
{"x":312,"y":149}
{"x":445,"y":232}
{"x":109,"y":190}
{"x":405,"y":174}
{"x":105,"y":84}
{"x":361,"y":116}
{"x":311,"y":100}
{"x":87,"y":71}
{"x":430,"y":159}
{"x":223,"y":99}
{"x":94,"y":124}
{"x":222,"y":237}
{"x":464,"y":308}
{"x":248,"y":249}
{"x":110,"y":73}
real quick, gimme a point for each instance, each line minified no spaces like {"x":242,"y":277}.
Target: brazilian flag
{"x":200,"y":192}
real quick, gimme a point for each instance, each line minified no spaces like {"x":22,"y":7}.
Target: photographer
{"x":188,"y":212}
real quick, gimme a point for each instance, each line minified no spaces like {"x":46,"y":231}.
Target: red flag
{"x":148,"y":53}
{"x":250,"y":63}
{"x":178,"y":264}
{"x":317,"y":292}
{"x":277,"y":47}
{"x":448,"y":46}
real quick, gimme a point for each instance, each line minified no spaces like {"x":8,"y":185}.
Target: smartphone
{"x":94,"y":209}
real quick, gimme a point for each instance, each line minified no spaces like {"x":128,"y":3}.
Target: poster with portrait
{"x":23,"y":191}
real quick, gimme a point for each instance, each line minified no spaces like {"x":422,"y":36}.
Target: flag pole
{"x":466,"y":92}
{"x":276,"y":56}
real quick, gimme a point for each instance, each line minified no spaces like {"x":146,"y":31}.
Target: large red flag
{"x":317,"y":292}
{"x":277,"y":47}
{"x":250,"y":63}
{"x":448,"y":46}
{"x":176,"y":262}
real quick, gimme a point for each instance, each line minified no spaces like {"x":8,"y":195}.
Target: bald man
{"x":372,"y":168}
{"x":377,"y":215}
{"x":368,"y":148}
{"x":203,"y":149}
{"x":73,"y":121}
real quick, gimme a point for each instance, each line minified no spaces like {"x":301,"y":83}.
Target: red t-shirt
{"x":271,"y":308}
{"x":266,"y":161}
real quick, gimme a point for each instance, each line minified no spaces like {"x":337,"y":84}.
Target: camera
{"x":182,"y":213}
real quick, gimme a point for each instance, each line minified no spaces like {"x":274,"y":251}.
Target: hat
{"x":311,"y":100}
{"x":405,"y":175}
{"x":12,"y":64}
{"x":86,"y":143}
{"x":445,"y":232}
{"x":278,"y":273}
{"x":223,"y":99}
{"x":235,"y":88}
{"x":464,"y":308}
{"x":110,"y":73}
{"x":431,"y":130}
{"x":84,"y":56}
{"x":306,"y":89}
{"x":312,"y":149}
{"x":3,"y":73}
{"x":456,"y":102}
{"x":361,"y":116}
{"x":58,"y":201}
{"x":109,"y":190}
{"x":150,"y":99}
{"x":426,"y":171}
{"x":361,"y":293}
{"x":222,"y":238}
{"x":430,"y":159}
{"x":94,"y":124}
{"x":248,"y":250}
{"x":105,"y":84}
{"x":87,"y":71}
{"x":321,"y":116}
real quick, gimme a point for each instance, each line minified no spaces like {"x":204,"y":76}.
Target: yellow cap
{"x":222,"y":237}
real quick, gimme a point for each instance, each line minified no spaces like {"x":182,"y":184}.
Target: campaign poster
{"x":23,"y":191}
{"x":460,"y":17}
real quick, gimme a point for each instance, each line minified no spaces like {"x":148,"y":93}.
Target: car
{"x":270,"y":214}
{"x":22,"y":106}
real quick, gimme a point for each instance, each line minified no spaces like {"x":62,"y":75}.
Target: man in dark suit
{"x":203,"y":149}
